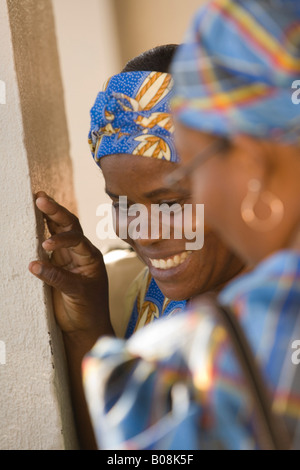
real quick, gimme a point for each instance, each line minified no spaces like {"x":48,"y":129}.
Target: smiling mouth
{"x":170,"y":262}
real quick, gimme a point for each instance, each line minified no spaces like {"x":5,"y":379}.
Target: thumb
{"x":54,"y":276}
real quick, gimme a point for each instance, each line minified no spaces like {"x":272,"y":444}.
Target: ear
{"x":252,"y":155}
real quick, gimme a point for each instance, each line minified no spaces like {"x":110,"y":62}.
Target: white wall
{"x":146,"y":24}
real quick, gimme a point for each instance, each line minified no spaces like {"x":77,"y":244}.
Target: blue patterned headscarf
{"x":235,"y":71}
{"x":132,"y":116}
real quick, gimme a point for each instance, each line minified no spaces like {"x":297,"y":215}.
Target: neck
{"x":243,"y":270}
{"x":294,"y":240}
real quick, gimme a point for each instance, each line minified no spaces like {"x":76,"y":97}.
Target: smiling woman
{"x":173,"y":271}
{"x":179,"y":273}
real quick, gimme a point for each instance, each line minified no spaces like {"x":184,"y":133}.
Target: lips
{"x":171,"y":261}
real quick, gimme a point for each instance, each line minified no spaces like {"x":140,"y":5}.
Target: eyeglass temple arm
{"x":185,"y":170}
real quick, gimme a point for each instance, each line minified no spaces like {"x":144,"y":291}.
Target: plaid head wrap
{"x":236,"y":69}
{"x":132,"y":116}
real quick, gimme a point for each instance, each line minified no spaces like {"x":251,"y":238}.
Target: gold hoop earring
{"x":248,"y":206}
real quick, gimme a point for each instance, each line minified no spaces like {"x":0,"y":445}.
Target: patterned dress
{"x":150,"y":305}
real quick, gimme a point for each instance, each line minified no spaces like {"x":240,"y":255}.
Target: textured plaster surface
{"x":35,"y":411}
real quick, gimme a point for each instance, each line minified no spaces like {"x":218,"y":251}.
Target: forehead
{"x":134,"y":174}
{"x":191,"y":141}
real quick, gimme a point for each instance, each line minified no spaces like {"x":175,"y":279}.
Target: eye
{"x":120,"y":208}
{"x":175,"y":206}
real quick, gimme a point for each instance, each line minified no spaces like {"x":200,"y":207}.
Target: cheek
{"x":213,"y":188}
{"x":206,"y":189}
{"x":121,"y":226}
{"x":222,"y":193}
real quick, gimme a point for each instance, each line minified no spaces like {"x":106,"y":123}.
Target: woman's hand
{"x":77,"y":273}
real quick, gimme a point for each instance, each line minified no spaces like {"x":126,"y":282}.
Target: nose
{"x":143,"y":234}
{"x":145,"y":230}
{"x":146,"y":241}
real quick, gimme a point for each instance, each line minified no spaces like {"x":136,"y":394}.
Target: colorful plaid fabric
{"x":235,"y":70}
{"x":176,"y":384}
{"x":132,"y":116}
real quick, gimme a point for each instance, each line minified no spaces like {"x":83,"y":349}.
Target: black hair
{"x":157,"y":59}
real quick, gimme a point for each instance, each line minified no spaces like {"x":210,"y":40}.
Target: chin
{"x":175,"y":292}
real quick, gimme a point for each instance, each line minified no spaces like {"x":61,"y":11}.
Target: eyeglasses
{"x":185,"y":170}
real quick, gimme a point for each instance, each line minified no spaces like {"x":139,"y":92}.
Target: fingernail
{"x":38,"y":200}
{"x":48,"y":242}
{"x":36,"y":269}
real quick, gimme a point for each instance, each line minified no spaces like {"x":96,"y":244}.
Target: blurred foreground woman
{"x":224,"y":376}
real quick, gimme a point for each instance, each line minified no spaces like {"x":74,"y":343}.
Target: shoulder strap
{"x":272,"y":433}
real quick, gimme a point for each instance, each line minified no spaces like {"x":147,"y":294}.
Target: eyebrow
{"x":113,"y":196}
{"x":155,"y":193}
{"x":165,"y":191}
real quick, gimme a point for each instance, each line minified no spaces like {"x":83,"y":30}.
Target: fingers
{"x":63,"y":280}
{"x":77,"y":243}
{"x":59,"y":219}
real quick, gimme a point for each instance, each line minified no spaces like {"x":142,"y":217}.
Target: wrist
{"x":82,"y":340}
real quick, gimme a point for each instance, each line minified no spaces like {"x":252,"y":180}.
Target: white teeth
{"x":176,"y":260}
{"x":162,"y":264}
